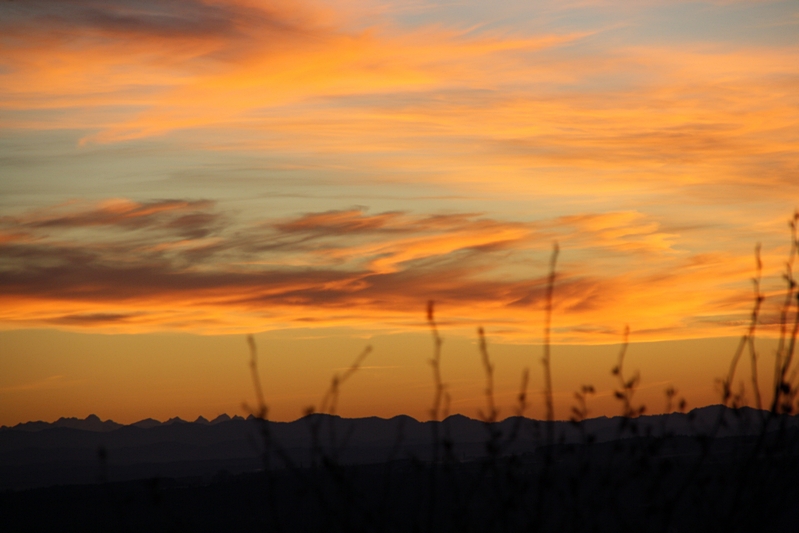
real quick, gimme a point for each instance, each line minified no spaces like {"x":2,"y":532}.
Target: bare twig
{"x":627,"y":385}
{"x":491,"y":415}
{"x":550,"y":409}
{"x":746,"y":340}
{"x":435,"y":362}
{"x":787,"y":344}
{"x":522,"y":396}
{"x":438,"y":397}
{"x":751,"y":336}
{"x":580,"y":411}
{"x":329,"y":401}
{"x":521,"y":405}
{"x":261,"y":407}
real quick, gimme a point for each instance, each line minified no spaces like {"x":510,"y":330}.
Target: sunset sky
{"x":177,"y":174}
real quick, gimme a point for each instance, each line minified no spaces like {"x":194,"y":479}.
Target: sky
{"x":178,"y":174}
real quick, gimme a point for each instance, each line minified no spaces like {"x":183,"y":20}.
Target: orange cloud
{"x":190,"y":63}
{"x":365,"y":271}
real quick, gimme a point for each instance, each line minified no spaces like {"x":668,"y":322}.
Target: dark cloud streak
{"x":242,"y":267}
{"x":154,"y":261}
{"x":190,"y":219}
{"x":169,"y":19}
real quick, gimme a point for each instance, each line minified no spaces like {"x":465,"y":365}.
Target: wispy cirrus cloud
{"x":478,"y":107}
{"x":172,"y":19}
{"x":352,"y":268}
{"x":188,"y":63}
{"x":123,"y":212}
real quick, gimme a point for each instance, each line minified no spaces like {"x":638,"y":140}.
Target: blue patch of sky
{"x":765,"y":23}
{"x":756,"y":23}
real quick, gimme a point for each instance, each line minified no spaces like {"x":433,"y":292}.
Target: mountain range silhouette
{"x":39,"y":454}
{"x":712,"y":469}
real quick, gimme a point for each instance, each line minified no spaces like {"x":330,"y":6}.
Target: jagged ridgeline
{"x":40,"y":454}
{"x":386,"y":472}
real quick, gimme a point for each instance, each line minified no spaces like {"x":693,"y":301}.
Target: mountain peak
{"x":90,"y":423}
{"x":221,"y":418}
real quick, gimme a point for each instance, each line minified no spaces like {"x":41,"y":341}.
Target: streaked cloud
{"x":481,"y":108}
{"x":151,"y":270}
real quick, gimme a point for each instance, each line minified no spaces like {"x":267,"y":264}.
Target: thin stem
{"x":751,"y":335}
{"x":330,"y":399}
{"x":550,"y":409}
{"x":781,"y":386}
{"x":435,"y":362}
{"x":256,"y":380}
{"x":627,"y":386}
{"x":438,"y":396}
{"x":491,"y":415}
{"x":747,"y":340}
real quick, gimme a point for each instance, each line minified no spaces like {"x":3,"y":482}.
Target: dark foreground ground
{"x":743,"y":483}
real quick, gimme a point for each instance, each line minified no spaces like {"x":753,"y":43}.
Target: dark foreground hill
{"x":714,"y":469}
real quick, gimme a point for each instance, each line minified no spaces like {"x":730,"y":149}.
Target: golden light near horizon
{"x":320,"y":170}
